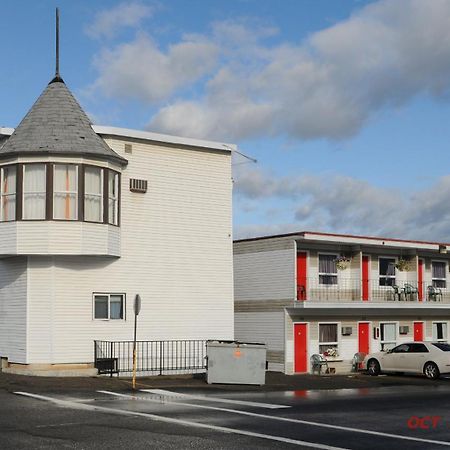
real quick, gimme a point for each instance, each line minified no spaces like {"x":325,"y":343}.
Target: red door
{"x":365,"y":278}
{"x":301,"y":276}
{"x":363,"y":337}
{"x":420,"y":279}
{"x":418,"y":331}
{"x":300,"y":348}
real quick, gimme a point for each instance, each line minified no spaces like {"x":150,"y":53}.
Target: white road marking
{"x":90,"y":407}
{"x":214,"y":399}
{"x":286,"y":419}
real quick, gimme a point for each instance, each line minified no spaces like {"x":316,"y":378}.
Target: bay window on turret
{"x":8,"y":193}
{"x":34,"y":191}
{"x":59,"y":191}
{"x":65,"y":192}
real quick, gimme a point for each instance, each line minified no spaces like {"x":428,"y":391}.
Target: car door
{"x":416,"y":357}
{"x":394,"y":360}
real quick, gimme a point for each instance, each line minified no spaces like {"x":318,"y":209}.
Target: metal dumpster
{"x":236,"y":362}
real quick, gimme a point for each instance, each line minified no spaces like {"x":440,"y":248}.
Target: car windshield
{"x":442,"y":346}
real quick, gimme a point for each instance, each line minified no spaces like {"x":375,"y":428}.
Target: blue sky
{"x":344,"y":104}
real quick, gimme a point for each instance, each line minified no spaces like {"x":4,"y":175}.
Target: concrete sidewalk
{"x":275,"y":381}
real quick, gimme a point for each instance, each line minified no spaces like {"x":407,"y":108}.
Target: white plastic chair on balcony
{"x":317,"y":362}
{"x":357,"y":361}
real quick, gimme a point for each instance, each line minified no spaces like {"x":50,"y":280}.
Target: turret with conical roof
{"x":57,"y":125}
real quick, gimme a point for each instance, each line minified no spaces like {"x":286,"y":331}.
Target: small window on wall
{"x":328,"y":339}
{"x":113,"y":198}
{"x":388,"y":336}
{"x":8,"y":193}
{"x":387,"y":271}
{"x":440,"y":331}
{"x":109,"y":306}
{"x":34,"y":191}
{"x":438,"y":274}
{"x":327,"y":269}
{"x":93,"y":194}
{"x":65,"y":192}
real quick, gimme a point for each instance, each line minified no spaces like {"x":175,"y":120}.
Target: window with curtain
{"x":109,"y":306}
{"x":440,"y":331}
{"x":34,"y":191}
{"x":93,"y":194}
{"x":328,"y":339}
{"x":113,"y":198}
{"x":8,"y":193}
{"x":327,"y":269}
{"x":65,"y":192}
{"x":438,"y":274}
{"x":388,"y":336}
{"x":387,"y":271}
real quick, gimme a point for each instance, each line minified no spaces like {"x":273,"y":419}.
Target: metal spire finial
{"x":57,"y":44}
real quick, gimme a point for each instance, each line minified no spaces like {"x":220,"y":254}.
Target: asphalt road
{"x":202,"y":418}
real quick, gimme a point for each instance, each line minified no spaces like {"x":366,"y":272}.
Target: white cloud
{"x":107,"y":23}
{"x":345,"y":204}
{"x":141,"y":70}
{"x":328,"y":86}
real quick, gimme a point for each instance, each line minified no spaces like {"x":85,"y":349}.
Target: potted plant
{"x":342,"y":262}
{"x":402,"y":265}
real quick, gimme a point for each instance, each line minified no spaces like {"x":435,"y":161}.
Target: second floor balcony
{"x":343,"y":290}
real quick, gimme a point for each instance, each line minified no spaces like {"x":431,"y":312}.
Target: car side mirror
{"x":388,"y":351}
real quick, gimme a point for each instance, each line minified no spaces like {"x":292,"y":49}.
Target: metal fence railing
{"x":339,"y":289}
{"x":152,"y":357}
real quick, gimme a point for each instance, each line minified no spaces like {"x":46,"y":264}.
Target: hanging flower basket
{"x":403,"y":265}
{"x":342,"y":262}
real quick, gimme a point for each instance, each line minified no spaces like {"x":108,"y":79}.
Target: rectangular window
{"x":327,"y":269}
{"x":388,"y":336}
{"x":328,"y":339}
{"x":109,"y":306}
{"x":34,"y":191}
{"x":65,"y":192}
{"x":438,"y":274}
{"x":93,"y":194}
{"x":113,"y":198}
{"x":387,"y":271}
{"x":440,"y":331}
{"x":8,"y":193}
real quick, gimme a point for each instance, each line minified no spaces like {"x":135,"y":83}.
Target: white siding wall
{"x":13,"y":308}
{"x":176,"y":253}
{"x":265,"y":275}
{"x":261,"y":327}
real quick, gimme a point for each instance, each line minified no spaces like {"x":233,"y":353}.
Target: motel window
{"x":113,"y":198}
{"x":388,"y":336}
{"x":65,"y":192}
{"x":109,"y":306}
{"x":8,"y":193}
{"x":327,"y":269}
{"x":34,"y":191}
{"x":93,"y":194}
{"x":387,"y":271}
{"x":438,"y":274}
{"x":328,"y":339}
{"x":440,"y":331}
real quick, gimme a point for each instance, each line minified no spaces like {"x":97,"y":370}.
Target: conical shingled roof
{"x":57,"y":125}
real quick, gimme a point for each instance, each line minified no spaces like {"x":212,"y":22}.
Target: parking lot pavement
{"x":201,"y":417}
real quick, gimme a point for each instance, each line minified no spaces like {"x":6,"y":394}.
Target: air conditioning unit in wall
{"x":403,"y":330}
{"x":347,"y":331}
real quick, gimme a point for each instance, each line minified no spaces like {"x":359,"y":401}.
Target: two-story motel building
{"x":311,"y":293}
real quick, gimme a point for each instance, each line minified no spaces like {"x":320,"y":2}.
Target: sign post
{"x":137,"y":309}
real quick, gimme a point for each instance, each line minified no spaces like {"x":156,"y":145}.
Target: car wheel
{"x":431,"y":370}
{"x":373,"y":367}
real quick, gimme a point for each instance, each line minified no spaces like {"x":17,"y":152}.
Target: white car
{"x":429,"y":358}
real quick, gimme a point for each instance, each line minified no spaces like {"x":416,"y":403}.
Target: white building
{"x":312,"y":293}
{"x":91,"y":216}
